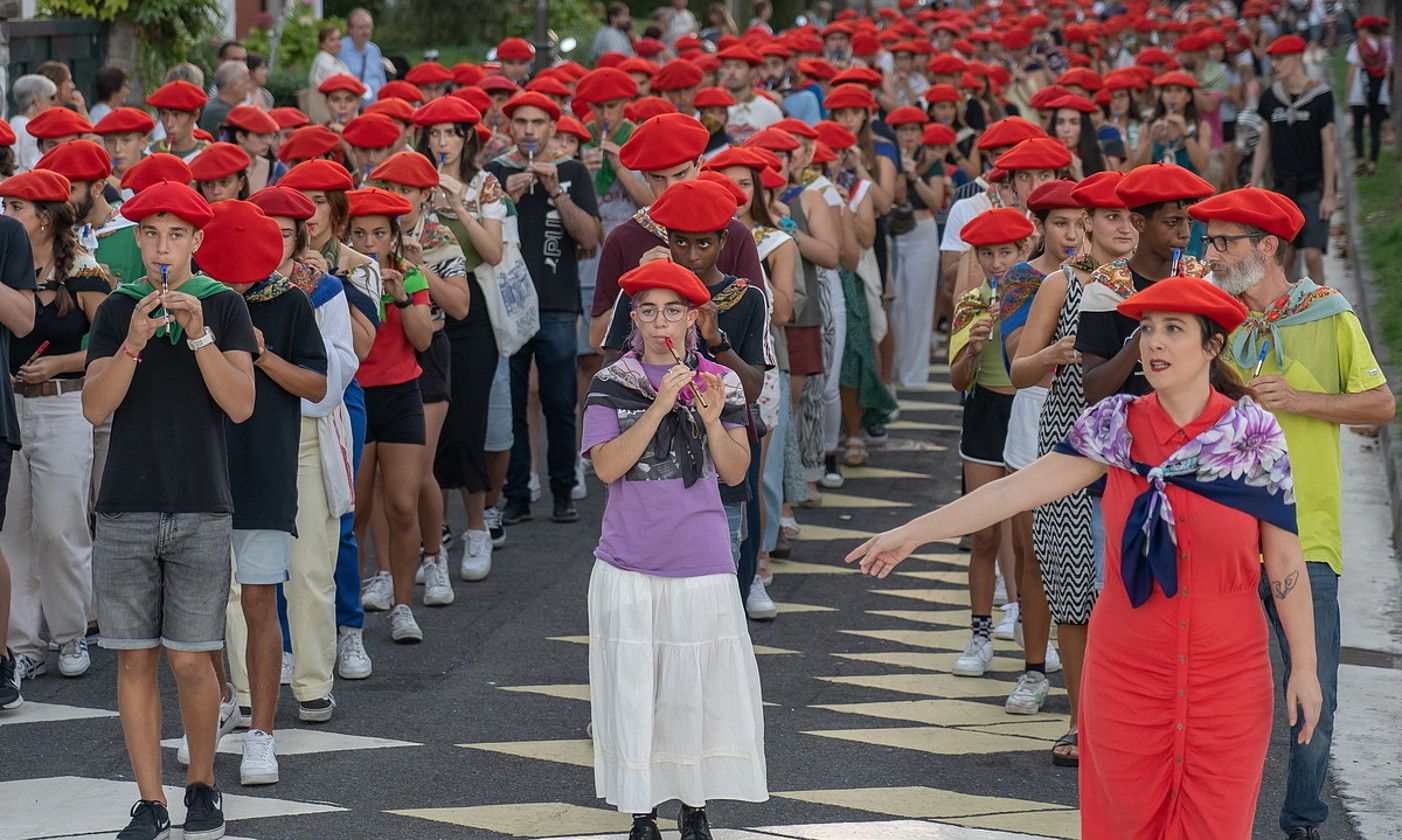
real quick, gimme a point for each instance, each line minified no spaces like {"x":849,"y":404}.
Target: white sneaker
{"x":378,"y":593}
{"x":977,"y":656}
{"x":580,"y":489}
{"x":352,"y":662}
{"x":534,"y":487}
{"x":288,"y":666}
{"x":229,"y":718}
{"x":1030,"y":694}
{"x":28,"y":666}
{"x":759,"y":606}
{"x":419,"y":572}
{"x":476,"y":555}
{"x":1053,"y":659}
{"x":493,"y":517}
{"x":402,"y":626}
{"x":1007,"y":626}
{"x":438,"y":592}
{"x":259,"y":765}
{"x":832,"y":480}
{"x":73,"y":660}
{"x":1000,"y":593}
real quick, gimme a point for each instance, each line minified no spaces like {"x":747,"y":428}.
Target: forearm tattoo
{"x":1283,"y":588}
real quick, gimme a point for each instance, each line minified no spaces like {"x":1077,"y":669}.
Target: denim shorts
{"x":162,"y":579}
{"x":261,"y":556}
{"x":499,"y":432}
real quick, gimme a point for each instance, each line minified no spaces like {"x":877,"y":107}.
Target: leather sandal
{"x":1067,"y":759}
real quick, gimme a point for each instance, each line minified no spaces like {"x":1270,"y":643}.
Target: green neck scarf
{"x":605,"y":177}
{"x":199,"y":285}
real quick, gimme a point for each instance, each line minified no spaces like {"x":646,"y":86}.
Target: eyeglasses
{"x":673,"y":312}
{"x":1222,"y":242}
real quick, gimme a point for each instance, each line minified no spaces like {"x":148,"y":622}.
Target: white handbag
{"x":512,"y":304}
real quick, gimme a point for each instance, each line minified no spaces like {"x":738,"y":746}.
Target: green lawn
{"x":1382,"y":241}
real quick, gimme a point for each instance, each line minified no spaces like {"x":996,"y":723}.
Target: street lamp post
{"x":542,"y":35}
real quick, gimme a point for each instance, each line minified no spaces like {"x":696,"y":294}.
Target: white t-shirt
{"x":959,"y":215}
{"x":26,"y":146}
{"x":1355,"y":92}
{"x":748,"y":118}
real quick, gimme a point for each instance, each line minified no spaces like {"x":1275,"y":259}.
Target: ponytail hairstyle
{"x":1222,"y":376}
{"x":61,"y":217}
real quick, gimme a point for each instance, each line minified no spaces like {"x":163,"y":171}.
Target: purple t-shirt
{"x":653,"y":523}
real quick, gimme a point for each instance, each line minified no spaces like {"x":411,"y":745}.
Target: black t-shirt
{"x":263,"y":448}
{"x":17,"y":272}
{"x":548,"y":249}
{"x":1297,"y":147}
{"x":63,"y":332}
{"x":167,"y":453}
{"x":1104,"y":334}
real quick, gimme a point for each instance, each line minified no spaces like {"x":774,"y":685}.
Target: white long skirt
{"x":917,"y":275}
{"x":674,"y":691}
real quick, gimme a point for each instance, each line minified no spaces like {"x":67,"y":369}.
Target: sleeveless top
{"x":810,"y":316}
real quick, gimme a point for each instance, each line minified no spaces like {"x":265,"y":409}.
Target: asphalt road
{"x":927,"y":751}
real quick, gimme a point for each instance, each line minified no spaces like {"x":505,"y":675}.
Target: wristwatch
{"x":404,"y":304}
{"x":717,"y":349}
{"x":197,"y":343}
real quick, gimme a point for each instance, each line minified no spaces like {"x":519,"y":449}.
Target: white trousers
{"x":310,"y":588}
{"x":46,"y":538}
{"x":917,"y":273}
{"x":832,"y":396}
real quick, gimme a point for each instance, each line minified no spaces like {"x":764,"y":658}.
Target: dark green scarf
{"x":201,"y":286}
{"x":604,"y":178}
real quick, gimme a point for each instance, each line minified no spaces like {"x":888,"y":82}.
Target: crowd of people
{"x":709,"y":262}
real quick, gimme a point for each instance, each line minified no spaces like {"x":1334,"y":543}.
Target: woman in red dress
{"x":1176,"y":694}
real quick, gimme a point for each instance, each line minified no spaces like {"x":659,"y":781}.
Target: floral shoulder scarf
{"x":1113,"y":282}
{"x":1240,"y":462}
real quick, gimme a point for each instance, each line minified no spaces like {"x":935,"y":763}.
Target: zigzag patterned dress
{"x":1061,"y":529}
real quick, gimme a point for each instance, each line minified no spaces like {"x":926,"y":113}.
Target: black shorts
{"x":7,"y":455}
{"x":394,"y":414}
{"x":1315,"y":233}
{"x":435,"y":362}
{"x":985,"y":426}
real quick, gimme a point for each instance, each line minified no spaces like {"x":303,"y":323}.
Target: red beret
{"x":408,"y":168}
{"x":1073,"y":102}
{"x":531,"y":99}
{"x":371,"y":131}
{"x":548,"y":85}
{"x":687,"y":42}
{"x":498,"y":84}
{"x":168,"y":197}
{"x":428,"y":73}
{"x":796,"y":127}
{"x":1036,"y":153}
{"x":78,"y":161}
{"x":474,"y":96}
{"x":864,"y":43}
{"x":284,"y":202}
{"x":707,"y":62}
{"x":637,"y":65}
{"x":1286,"y":45}
{"x":177,"y":96}
{"x":154,"y":169}
{"x":937,"y":134}
{"x":1016,"y":39}
{"x":1097,"y":191}
{"x":1043,"y":98}
{"x":850,"y":96}
{"x":1008,"y":131}
{"x":647,"y":107}
{"x":996,"y":227}
{"x":834,"y":135}
{"x":609,"y":59}
{"x":665,"y":274}
{"x":515,"y":49}
{"x":905,"y":115}
{"x":839,"y":28}
{"x":447,"y":109}
{"x":218,"y":160}
{"x":694,"y":206}
{"x":125,"y":121}
{"x":573,"y":127}
{"x":398,"y":89}
{"x":287,"y":117}
{"x":770,"y":179}
{"x":822,"y":153}
{"x":740,"y":52}
{"x":676,"y":75}
{"x":1152,"y":55}
{"x":573,"y":69}
{"x":744,"y":156}
{"x":606,"y":84}
{"x":252,"y":119}
{"x":484,"y":134}
{"x":1264,"y":209}
{"x":1081,"y":77}
{"x":712,"y":97}
{"x":373,"y":201}
{"x":774,"y":140}
{"x":1369,"y":21}
{"x":307,"y":142}
{"x":1121,"y":80}
{"x":341,"y":81}
{"x":648,"y":47}
{"x":816,"y":68}
{"x":58,"y":122}
{"x":665,"y":141}
{"x":945,"y":64}
{"x":1189,"y":296}
{"x":1156,"y":182}
{"x":7,"y":134}
{"x":858,"y":75}
{"x":1176,"y":77}
{"x":941,"y":93}
{"x":729,"y":186}
{"x":399,"y":110}
{"x":317,"y":175}
{"x":201,"y":134}
{"x":36,"y":185}
{"x":241,"y":245}
{"x":1053,"y":195}
{"x":467,"y":73}
{"x":775,"y":51}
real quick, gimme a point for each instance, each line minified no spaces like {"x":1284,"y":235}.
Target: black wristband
{"x":404,"y":304}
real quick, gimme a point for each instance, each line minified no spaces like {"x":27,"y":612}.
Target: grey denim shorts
{"x":162,"y":579}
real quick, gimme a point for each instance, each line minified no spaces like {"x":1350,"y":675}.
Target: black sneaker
{"x":693,"y":824}
{"x":516,"y":511}
{"x":564,"y":511}
{"x":204,"y":812}
{"x":1304,"y":832}
{"x":10,"y":697}
{"x":316,"y":711}
{"x":877,"y":431}
{"x":149,"y":821}
{"x":645,"y":829}
{"x":447,"y":538}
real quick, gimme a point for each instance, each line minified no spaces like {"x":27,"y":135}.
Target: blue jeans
{"x":554,"y":350}
{"x":1304,"y":792}
{"x":774,"y":469}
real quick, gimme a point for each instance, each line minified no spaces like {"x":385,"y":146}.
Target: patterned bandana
{"x":1306,"y":301}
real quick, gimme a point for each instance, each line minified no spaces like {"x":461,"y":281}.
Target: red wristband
{"x":126,"y":351}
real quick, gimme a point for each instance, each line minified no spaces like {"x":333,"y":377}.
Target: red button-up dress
{"x":1176,"y":696}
